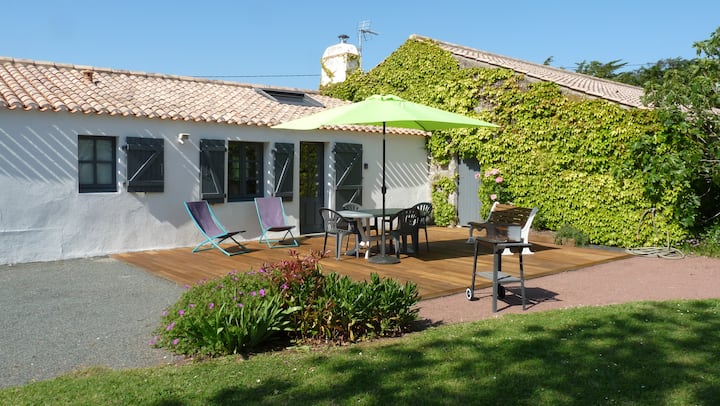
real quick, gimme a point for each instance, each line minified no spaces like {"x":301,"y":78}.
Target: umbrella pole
{"x":383,"y":258}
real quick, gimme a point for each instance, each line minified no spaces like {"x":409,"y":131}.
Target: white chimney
{"x":338,"y":62}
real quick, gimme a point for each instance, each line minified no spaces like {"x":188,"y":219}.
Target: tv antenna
{"x":364,"y":32}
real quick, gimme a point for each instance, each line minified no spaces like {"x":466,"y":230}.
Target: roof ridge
{"x":610,"y":90}
{"x":59,"y":65}
{"x":539,"y":65}
{"x":30,"y":85}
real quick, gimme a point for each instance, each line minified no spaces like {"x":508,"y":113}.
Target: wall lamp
{"x":182,"y":137}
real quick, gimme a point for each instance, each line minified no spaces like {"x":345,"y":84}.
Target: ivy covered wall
{"x":575,"y":159}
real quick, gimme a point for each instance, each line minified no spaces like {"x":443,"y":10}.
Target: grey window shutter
{"x":283,"y":163}
{"x":348,"y":172}
{"x":145,"y":164}
{"x":212,"y":170}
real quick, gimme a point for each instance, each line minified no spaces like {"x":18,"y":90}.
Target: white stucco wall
{"x":43,"y":217}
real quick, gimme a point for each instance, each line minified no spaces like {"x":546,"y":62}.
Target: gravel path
{"x":57,"y":317}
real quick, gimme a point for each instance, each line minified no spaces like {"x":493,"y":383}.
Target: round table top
{"x":351,"y":214}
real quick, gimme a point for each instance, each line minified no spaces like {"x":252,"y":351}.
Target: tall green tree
{"x":688,"y":103}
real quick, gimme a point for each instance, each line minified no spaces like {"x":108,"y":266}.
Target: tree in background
{"x":599,"y":69}
{"x":653,"y":73}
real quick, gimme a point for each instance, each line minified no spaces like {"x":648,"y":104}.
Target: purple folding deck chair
{"x":271,"y":215}
{"x":205,"y":220}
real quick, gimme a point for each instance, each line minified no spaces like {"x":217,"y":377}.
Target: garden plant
{"x":291,"y":301}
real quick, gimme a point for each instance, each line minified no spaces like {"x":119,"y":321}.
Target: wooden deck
{"x":445,"y":269}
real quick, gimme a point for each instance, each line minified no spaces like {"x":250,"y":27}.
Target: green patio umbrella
{"x":382,"y":110}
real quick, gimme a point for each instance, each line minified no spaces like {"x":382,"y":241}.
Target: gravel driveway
{"x":61,"y":316}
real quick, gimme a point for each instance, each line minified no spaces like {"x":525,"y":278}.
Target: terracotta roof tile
{"x":47,"y":86}
{"x":617,"y":92}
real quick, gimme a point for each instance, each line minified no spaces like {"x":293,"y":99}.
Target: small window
{"x":290,"y":97}
{"x":245,"y":170}
{"x":96,"y":164}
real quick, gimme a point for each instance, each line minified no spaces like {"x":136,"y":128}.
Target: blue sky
{"x":280,"y":42}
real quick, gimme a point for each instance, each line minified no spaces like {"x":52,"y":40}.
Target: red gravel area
{"x":627,"y":280}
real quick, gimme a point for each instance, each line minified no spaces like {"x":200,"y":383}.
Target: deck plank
{"x":445,"y":269}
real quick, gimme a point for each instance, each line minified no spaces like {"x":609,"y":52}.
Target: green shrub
{"x":707,"y":243}
{"x":287,"y":300}
{"x":234,"y":314}
{"x":568,"y":232}
{"x":354,"y":311}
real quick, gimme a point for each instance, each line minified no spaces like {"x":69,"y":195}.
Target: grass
{"x":644,"y":353}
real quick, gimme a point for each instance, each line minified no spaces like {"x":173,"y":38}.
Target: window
{"x":290,"y":97}
{"x":96,"y":164}
{"x":245,"y":170}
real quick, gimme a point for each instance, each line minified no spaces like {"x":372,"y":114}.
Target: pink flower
{"x":262,"y":292}
{"x":499,"y":179}
{"x":176,"y":341}
{"x":170,"y":326}
{"x":477,"y":175}
{"x":211,"y":305}
{"x":253,"y":293}
{"x":181,"y":312}
{"x":493,"y":197}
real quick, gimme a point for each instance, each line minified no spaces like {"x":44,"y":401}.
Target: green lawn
{"x":650,"y":353}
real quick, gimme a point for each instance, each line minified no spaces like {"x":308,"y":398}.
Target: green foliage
{"x":646,"y":76}
{"x":567,"y":232}
{"x":492,"y":189}
{"x":687,"y":103}
{"x":288,"y":300}
{"x":589,"y":163}
{"x":444,"y":212}
{"x":601,"y":70}
{"x":706,"y":243}
{"x":237,"y":313}
{"x":350,"y":311}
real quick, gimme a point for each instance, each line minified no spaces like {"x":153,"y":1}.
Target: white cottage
{"x":99,"y":161}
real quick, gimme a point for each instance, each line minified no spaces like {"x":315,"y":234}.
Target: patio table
{"x":361,"y":219}
{"x":390,"y":214}
{"x":497,"y":276}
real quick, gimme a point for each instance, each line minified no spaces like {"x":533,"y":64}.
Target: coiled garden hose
{"x":660,"y":252}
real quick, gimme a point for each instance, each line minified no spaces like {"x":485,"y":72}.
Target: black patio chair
{"x":425,"y":209}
